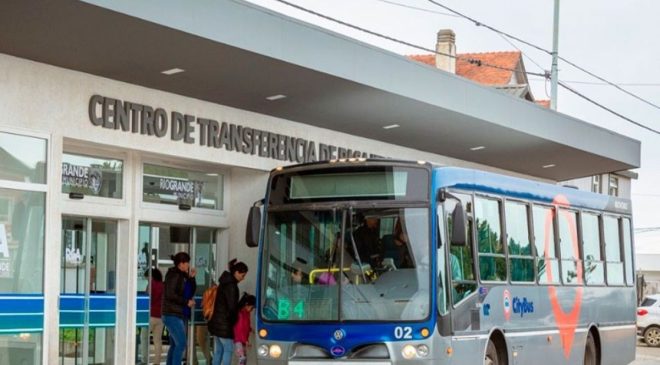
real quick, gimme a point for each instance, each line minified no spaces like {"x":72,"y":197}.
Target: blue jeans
{"x":223,"y":351}
{"x":177,"y":332}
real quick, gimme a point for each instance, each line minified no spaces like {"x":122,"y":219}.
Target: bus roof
{"x":513,"y":187}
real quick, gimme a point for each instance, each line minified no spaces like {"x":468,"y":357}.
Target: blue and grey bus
{"x":384,"y":262}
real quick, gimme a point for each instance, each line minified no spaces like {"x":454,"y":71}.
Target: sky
{"x":613,"y":39}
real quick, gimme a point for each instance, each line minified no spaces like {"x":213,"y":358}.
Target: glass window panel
{"x":548,"y":271}
{"x":488,"y":226}
{"x":517,"y":229}
{"x":492,"y":268}
{"x":93,"y":176}
{"x":23,"y":349}
{"x":544,"y":232}
{"x":168,"y":185}
{"x":568,"y":234}
{"x":569,"y":271}
{"x":611,"y":235}
{"x":22,"y":158}
{"x":522,"y":269}
{"x":615,"y":273}
{"x":22,"y":242}
{"x":590,"y":237}
{"x":627,"y":252}
{"x":594,"y":272}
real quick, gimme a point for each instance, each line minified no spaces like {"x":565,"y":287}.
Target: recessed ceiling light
{"x":391,"y":126}
{"x":549,"y":166}
{"x":172,"y":71}
{"x":477,"y":148}
{"x":275,"y":97}
{"x":212,"y":174}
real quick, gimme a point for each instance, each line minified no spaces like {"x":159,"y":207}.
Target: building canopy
{"x":237,"y":54}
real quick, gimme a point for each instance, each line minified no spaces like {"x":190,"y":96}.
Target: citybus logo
{"x":566,"y":321}
{"x":522,"y":306}
{"x":506,"y":304}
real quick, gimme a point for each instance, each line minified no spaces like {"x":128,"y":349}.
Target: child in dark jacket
{"x":242,"y":328}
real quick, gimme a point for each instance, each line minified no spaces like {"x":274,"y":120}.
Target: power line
{"x":521,"y":52}
{"x":480,"y":24}
{"x":417,"y":8}
{"x":474,"y":61}
{"x":606,"y":108}
{"x":470,"y":60}
{"x":595,"y":83}
{"x":606,"y":84}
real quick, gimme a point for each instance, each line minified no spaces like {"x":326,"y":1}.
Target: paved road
{"x":646,"y":355}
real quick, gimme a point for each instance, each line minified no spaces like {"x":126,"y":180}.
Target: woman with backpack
{"x":174,"y":302}
{"x":225,"y":312}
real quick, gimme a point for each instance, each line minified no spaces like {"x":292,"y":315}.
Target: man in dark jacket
{"x":225,"y":312}
{"x":173,"y":303}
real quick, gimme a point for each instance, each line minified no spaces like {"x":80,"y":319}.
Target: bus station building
{"x":130,"y":131}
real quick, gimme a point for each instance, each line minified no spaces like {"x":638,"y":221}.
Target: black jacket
{"x":173,"y":298}
{"x":225,"y":310}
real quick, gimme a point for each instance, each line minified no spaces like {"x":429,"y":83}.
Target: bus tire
{"x":590,"y":352}
{"x":491,"y":357}
{"x":496,"y":352}
{"x":652,"y":336}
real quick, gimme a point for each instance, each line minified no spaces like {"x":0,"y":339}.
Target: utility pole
{"x":555,"y":56}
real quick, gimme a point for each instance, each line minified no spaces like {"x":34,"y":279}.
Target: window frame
{"x":530,"y":235}
{"x":190,"y":168}
{"x":471,"y":245}
{"x":576,"y":260}
{"x":633,"y":279}
{"x":555,"y":243}
{"x":619,"y":236}
{"x":613,"y":186}
{"x":504,"y":254}
{"x":601,"y":246}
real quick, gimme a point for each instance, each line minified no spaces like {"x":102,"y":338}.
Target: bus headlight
{"x":263,"y":350}
{"x":275,"y":351}
{"x":422,"y":351}
{"x":409,"y":352}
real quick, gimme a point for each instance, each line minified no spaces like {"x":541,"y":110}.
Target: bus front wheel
{"x":491,"y":354}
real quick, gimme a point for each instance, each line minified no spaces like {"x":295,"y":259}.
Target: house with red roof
{"x":503,"y":70}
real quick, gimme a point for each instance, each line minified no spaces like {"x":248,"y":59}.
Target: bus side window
{"x":492,"y":262}
{"x":569,"y":246}
{"x":614,"y":265}
{"x":594,"y":269}
{"x":521,"y":261}
{"x":627,"y":251}
{"x":461,"y":258}
{"x":547,"y":265}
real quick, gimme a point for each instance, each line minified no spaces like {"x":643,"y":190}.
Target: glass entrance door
{"x":157,"y":242}
{"x":87,"y":300}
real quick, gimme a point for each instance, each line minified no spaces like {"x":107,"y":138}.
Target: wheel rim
{"x":653,"y":337}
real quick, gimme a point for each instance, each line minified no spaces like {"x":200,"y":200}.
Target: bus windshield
{"x":346,"y":264}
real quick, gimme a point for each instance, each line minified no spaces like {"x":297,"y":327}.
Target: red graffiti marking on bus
{"x":566,"y":321}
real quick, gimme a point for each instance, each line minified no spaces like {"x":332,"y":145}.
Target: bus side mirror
{"x":253,"y":227}
{"x":458,"y":235}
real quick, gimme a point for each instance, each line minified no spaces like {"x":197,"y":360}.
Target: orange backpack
{"x":208,"y":301}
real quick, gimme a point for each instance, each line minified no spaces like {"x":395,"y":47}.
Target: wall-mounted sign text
{"x":81,"y":177}
{"x":143,"y":119}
